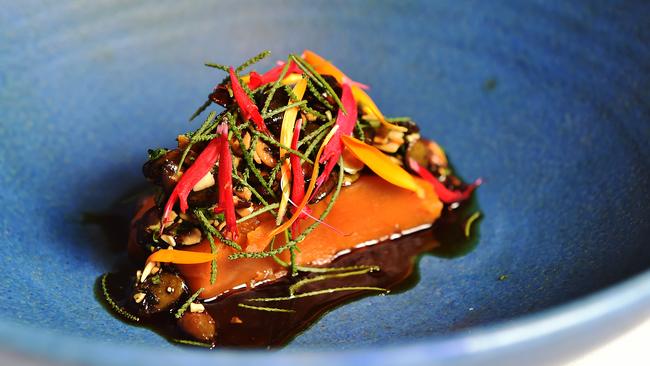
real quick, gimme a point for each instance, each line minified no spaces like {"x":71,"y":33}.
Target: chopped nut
{"x":138,"y":275}
{"x":155,"y":270}
{"x":411,"y":138}
{"x":390,"y":147}
{"x":247,"y":140}
{"x":185,"y":217}
{"x":192,"y":237}
{"x":244,"y":211}
{"x":197,"y":308}
{"x":147,"y":270}
{"x":138,"y":297}
{"x":235,"y":320}
{"x":206,"y":182}
{"x":170,"y":219}
{"x":168,"y":239}
{"x":221,"y":226}
{"x":263,"y":153}
{"x":311,"y":117}
{"x":235,"y":162}
{"x":396,"y":136}
{"x":388,"y":140}
{"x":348,"y":179}
{"x":244,"y":193}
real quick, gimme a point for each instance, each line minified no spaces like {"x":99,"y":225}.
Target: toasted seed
{"x":206,"y":182}
{"x":147,"y":270}
{"x":197,"y":308}
{"x":168,"y":239}
{"x":191,"y":237}
{"x":244,"y":211}
{"x":138,"y":297}
{"x":244,"y":193}
{"x":264,"y":154}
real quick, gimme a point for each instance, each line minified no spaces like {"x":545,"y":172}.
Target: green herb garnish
{"x":118,"y":309}
{"x":264,"y":308}
{"x":470,"y":221}
{"x":183,"y":308}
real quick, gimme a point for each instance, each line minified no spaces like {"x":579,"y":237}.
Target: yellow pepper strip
{"x":369,"y":107}
{"x":286,"y":135}
{"x":382,"y":165}
{"x":292,"y":79}
{"x":180,"y":256}
{"x":310,"y":190}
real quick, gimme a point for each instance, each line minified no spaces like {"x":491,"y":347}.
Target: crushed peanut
{"x":196,"y":308}
{"x":138,"y":297}
{"x":168,"y":239}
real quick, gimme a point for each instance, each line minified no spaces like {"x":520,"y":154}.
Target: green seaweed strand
{"x":183,"y":308}
{"x":296,"y":286}
{"x":253,"y":60}
{"x":264,"y":308}
{"x":314,"y":133}
{"x":312,"y":73}
{"x":275,"y":86}
{"x":205,"y":223}
{"x":319,"y":292}
{"x":118,"y":309}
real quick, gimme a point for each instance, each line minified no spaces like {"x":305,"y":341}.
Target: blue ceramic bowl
{"x":546,"y":100}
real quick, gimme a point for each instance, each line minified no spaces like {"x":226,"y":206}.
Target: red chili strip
{"x":248,"y":108}
{"x":201,"y":166}
{"x":271,"y":76}
{"x":445,"y":194}
{"x":346,"y":124}
{"x":298,"y":177}
{"x":226,"y":203}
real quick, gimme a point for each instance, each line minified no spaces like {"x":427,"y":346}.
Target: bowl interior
{"x":547,"y":102}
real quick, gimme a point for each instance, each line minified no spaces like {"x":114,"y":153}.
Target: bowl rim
{"x":616,"y":307}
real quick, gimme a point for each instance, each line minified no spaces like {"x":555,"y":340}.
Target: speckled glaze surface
{"x":548,"y":101}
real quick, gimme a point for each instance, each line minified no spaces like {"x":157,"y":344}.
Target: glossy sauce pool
{"x":238,"y":325}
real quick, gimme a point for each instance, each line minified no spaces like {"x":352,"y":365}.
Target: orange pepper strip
{"x":382,"y":165}
{"x":180,"y":256}
{"x":310,"y":190}
{"x":322,"y":66}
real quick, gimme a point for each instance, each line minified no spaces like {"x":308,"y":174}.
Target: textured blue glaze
{"x":547,"y":100}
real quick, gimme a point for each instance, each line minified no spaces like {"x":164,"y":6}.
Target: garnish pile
{"x":286,"y":139}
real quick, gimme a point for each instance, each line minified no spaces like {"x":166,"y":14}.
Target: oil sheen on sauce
{"x":241,"y":327}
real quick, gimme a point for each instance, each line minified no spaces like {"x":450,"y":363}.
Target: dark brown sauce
{"x":243,"y":327}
